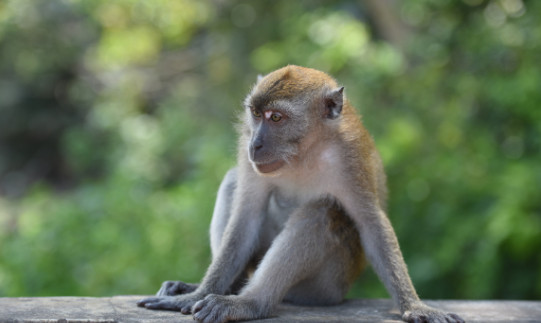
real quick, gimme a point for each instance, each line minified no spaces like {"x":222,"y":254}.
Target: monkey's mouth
{"x":270,"y":167}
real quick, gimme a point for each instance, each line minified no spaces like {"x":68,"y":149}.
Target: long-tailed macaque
{"x":308,"y":191}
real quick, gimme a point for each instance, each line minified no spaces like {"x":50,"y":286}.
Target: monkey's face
{"x":276,"y":130}
{"x":283,"y":113}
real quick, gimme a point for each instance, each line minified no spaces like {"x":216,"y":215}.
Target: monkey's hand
{"x":421,"y":313}
{"x":182,"y":303}
{"x":219,"y":309}
{"x":172,"y":288}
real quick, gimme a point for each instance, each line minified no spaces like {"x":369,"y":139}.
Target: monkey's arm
{"x":240,"y":237}
{"x":383,"y":252}
{"x":299,"y":252}
{"x":239,"y":241}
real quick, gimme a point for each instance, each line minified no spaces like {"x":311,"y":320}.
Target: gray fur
{"x":294,"y":233}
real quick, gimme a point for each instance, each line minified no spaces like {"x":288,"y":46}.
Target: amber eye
{"x":276,"y":117}
{"x":256,"y":113}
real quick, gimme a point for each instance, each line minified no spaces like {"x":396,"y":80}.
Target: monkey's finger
{"x":176,"y":288}
{"x":166,"y":285}
{"x":161,"y":292}
{"x":209,"y":315}
{"x":198,"y":306}
{"x":144,"y":301}
{"x":201,"y":310}
{"x":186,"y":310}
{"x":163,"y":305}
{"x":457,"y":318}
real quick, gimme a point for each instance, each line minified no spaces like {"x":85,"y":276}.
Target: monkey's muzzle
{"x":269,"y":167}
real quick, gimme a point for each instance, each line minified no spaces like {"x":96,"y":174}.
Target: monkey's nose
{"x":257,"y":143}
{"x":254,"y":148}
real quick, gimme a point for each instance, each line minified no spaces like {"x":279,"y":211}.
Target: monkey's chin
{"x":270,"y":167}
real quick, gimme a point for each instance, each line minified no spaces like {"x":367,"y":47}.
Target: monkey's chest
{"x":280,"y":206}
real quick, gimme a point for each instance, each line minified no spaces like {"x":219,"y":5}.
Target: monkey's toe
{"x":172,"y":288}
{"x":425,"y":314}
{"x":161,"y":303}
{"x":148,"y":300}
{"x":219,"y":308}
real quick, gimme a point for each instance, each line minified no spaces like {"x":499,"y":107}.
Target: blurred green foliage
{"x":116,"y":126}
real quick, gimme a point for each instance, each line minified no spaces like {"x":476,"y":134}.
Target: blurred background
{"x":116,"y":127}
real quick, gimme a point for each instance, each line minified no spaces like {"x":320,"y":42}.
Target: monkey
{"x":298,"y":215}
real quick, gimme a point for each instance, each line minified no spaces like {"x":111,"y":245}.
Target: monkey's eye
{"x":276,"y":117}
{"x":256,"y":113}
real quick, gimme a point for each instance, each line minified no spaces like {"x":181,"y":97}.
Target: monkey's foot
{"x":424,"y":314}
{"x":219,"y":309}
{"x":182,"y":303}
{"x":172,"y":288}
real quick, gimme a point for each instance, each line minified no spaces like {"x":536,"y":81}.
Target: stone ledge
{"x":123,"y":309}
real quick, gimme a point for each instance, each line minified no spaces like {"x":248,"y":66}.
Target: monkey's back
{"x":362,"y":157}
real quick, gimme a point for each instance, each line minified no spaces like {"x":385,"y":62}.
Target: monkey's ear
{"x":334,"y":100}
{"x":260,"y":77}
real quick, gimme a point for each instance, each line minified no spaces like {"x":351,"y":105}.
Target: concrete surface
{"x":123,"y":309}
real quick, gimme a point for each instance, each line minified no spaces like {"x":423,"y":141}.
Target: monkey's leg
{"x":222,"y":210}
{"x":220,"y":217}
{"x":342,"y":266}
{"x":236,"y":248}
{"x":298,"y":253}
{"x":381,"y":246}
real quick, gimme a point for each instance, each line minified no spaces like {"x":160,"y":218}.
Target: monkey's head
{"x":286,"y":110}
